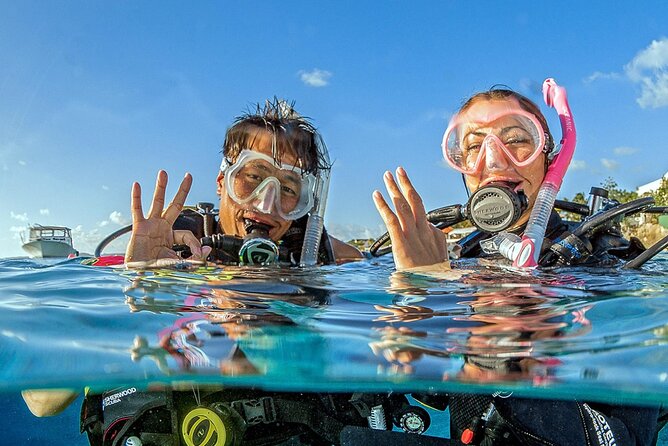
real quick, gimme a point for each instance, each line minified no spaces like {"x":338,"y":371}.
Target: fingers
{"x":182,"y":237}
{"x":401,"y":205}
{"x":175,"y":207}
{"x":135,"y":204}
{"x":440,"y":242}
{"x":390,"y":219}
{"x":158,"y":195}
{"x":413,"y":199}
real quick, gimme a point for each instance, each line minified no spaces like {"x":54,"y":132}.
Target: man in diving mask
{"x":270,"y":179}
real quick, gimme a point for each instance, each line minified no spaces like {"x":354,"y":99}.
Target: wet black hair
{"x":293,"y":134}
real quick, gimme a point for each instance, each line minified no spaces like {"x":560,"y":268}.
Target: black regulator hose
{"x":441,"y":218}
{"x":571,"y":206}
{"x":652,"y":250}
{"x":223,"y":242}
{"x":110,"y":238}
{"x":647,"y":254}
{"x":598,"y":220}
{"x":656,"y":210}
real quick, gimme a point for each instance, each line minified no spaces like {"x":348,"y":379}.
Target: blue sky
{"x":95,"y":95}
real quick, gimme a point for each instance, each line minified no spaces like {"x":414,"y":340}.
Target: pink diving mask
{"x":516,"y":133}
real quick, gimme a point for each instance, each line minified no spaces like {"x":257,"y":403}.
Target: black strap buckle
{"x":360,"y":406}
{"x":256,"y":411}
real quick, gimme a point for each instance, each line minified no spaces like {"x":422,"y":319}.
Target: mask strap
{"x":225,"y":164}
{"x":466,"y":187}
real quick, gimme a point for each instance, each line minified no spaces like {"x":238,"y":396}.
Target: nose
{"x":495,"y":157}
{"x":265,"y":199}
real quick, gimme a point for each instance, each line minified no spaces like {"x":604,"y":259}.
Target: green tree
{"x":570,"y":216}
{"x":661,"y":194}
{"x":617,"y":193}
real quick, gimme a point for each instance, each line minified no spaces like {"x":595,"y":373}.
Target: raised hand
{"x":415,"y":241}
{"x":153,"y":237}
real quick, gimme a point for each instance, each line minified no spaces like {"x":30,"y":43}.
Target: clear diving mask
{"x":257,"y":180}
{"x":516,"y":133}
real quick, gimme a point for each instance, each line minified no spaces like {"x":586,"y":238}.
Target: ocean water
{"x":595,"y":335}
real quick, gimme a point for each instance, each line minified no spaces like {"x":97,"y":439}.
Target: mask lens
{"x":518,"y":135}
{"x":255,"y":177}
{"x":255,"y":173}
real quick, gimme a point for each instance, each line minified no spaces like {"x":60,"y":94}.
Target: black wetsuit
{"x":555,"y":422}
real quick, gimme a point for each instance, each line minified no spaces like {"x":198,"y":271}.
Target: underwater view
{"x":583,"y":333}
{"x":333,"y":223}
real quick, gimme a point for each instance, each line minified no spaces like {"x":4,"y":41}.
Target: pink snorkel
{"x":525,"y":252}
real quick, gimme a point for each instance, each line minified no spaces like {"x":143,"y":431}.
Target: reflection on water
{"x":578,"y":332}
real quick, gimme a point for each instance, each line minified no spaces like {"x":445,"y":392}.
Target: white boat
{"x":49,"y":241}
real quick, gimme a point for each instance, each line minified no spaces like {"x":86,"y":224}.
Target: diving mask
{"x":258,"y":180}
{"x":516,"y":133}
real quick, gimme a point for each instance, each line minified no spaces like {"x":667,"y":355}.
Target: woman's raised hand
{"x":152,"y":237}
{"x":415,"y":241}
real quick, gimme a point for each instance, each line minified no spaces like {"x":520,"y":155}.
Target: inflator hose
{"x":605,"y":216}
{"x":110,"y":238}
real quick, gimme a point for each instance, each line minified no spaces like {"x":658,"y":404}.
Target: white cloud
{"x":649,"y":69}
{"x":22,"y":163}
{"x":600,"y":75}
{"x":18,"y":231}
{"x":103,"y":223}
{"x":624,"y":150}
{"x":609,"y":164}
{"x":44,"y":212}
{"x":117,"y":217}
{"x":85,"y":241}
{"x":531,"y":87}
{"x":315,"y":77}
{"x":578,"y":165}
{"x":19,"y":217}
{"x":104,"y":187}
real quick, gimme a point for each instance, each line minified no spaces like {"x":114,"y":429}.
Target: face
{"x":233,"y":214}
{"x":497,"y":166}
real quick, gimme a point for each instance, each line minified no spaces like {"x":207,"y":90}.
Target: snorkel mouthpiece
{"x":257,"y":248}
{"x":496,"y":207}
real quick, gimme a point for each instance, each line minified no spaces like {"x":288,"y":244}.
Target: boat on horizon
{"x":49,"y":241}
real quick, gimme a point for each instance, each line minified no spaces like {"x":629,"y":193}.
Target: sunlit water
{"x":599,"y":335}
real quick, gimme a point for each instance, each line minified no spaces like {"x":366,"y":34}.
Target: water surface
{"x":600,"y":334}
